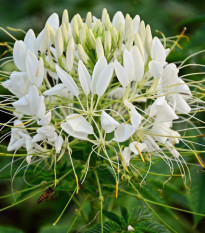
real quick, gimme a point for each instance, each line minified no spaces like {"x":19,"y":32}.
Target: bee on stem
{"x":46,"y":195}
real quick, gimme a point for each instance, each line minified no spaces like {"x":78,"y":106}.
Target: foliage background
{"x":166,"y":16}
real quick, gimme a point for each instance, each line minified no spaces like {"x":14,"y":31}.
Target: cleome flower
{"x":103,"y":81}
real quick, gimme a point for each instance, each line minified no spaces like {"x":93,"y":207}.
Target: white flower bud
{"x":65,"y":18}
{"x":91,"y":38}
{"x":139,"y":44}
{"x":148,"y":41}
{"x":64,"y":31}
{"x":59,"y":43}
{"x":106,"y":19}
{"x":75,"y":28}
{"x":142,"y":31}
{"x":80,"y":21}
{"x":82,"y":54}
{"x":99,"y":48}
{"x":70,"y":54}
{"x":82,"y":35}
{"x":114,"y":35}
{"x":89,"y":21}
{"x":107,"y":42}
{"x":128,"y":28}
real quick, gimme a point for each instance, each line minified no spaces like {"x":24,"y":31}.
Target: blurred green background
{"x":167,"y":16}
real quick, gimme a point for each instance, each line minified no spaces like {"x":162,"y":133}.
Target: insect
{"x":46,"y":195}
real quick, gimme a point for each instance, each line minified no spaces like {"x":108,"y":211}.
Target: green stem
{"x":77,"y":214}
{"x":65,"y":207}
{"x":167,"y":225}
{"x":155,"y":203}
{"x":101,"y":200}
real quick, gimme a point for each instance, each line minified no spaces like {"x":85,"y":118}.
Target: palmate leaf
{"x":106,"y":175}
{"x":151,"y":227}
{"x":112,"y":216}
{"x":140,"y":213}
{"x":125,"y":214}
{"x":108,"y":227}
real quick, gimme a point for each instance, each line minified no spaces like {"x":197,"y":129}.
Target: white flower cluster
{"x":98,"y":80}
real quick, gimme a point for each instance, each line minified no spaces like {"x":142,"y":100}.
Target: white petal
{"x":84,"y":77}
{"x":135,"y":146}
{"x":158,"y":51}
{"x":170,"y":75}
{"x":118,"y":19}
{"x":99,"y":66}
{"x":116,"y":93}
{"x":77,"y":126}
{"x":16,"y":145}
{"x":45,"y":120}
{"x":38,"y":137}
{"x":156,"y":68}
{"x":163,"y":110}
{"x":55,"y":90}
{"x":58,"y":144}
{"x":123,"y":132}
{"x":138,"y":63}
{"x":30,"y":41}
{"x":136,"y":23}
{"x":129,"y":65}
{"x":183,"y":88}
{"x":67,"y":81}
{"x":126,"y":154}
{"x":18,"y":84}
{"x":121,"y":74}
{"x":108,"y":123}
{"x":135,"y":118}
{"x":53,"y":21}
{"x":104,"y":79}
{"x":47,"y":131}
{"x":181,"y":105}
{"x":19,"y":55}
{"x":43,"y":40}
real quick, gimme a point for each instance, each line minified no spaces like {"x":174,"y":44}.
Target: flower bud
{"x":128,"y":28}
{"x":70,"y":54}
{"x":81,"y":52}
{"x":99,"y":48}
{"x":107,"y":42}
{"x":139,"y":44}
{"x":59,"y":45}
{"x":65,"y":18}
{"x":106,"y":19}
{"x":142,"y":31}
{"x":148,"y":41}
{"x":64,"y":31}
{"x":75,"y":29}
{"x":88,"y":20}
{"x":82,"y":35}
{"x":80,"y":21}
{"x":114,"y":35}
{"x":91,"y":38}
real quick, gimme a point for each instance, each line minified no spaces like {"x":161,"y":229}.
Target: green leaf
{"x":196,"y":197}
{"x":106,"y":175}
{"x":141,"y":213}
{"x":112,"y":216}
{"x":124,"y":213}
{"x":53,"y":229}
{"x":108,"y":227}
{"x":9,"y":230}
{"x":151,"y":227}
